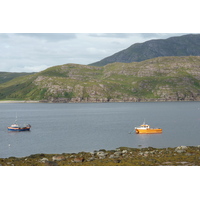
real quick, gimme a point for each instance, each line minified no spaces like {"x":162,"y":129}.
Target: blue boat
{"x":16,"y":127}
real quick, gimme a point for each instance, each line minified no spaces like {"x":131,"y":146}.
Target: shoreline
{"x":20,"y":101}
{"x":122,"y":156}
{"x":50,"y":102}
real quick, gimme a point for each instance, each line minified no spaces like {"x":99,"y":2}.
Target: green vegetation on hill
{"x":7,"y":76}
{"x":157,"y":79}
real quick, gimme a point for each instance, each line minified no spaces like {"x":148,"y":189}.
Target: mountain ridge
{"x":186,"y":45}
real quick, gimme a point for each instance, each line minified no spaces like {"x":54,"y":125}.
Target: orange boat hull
{"x":148,"y":131}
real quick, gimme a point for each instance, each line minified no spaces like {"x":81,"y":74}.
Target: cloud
{"x":35,"y":68}
{"x":111,"y":35}
{"x":4,"y":36}
{"x":149,"y":35}
{"x":131,"y":35}
{"x":159,"y":35}
{"x":52,"y":37}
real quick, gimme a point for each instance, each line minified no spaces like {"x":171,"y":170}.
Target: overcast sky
{"x":35,"y":35}
{"x":34,"y":52}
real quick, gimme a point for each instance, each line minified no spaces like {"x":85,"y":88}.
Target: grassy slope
{"x":174,"y":77}
{"x":7,"y":76}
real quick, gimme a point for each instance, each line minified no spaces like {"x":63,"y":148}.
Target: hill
{"x":186,"y":45}
{"x":7,"y":76}
{"x":157,"y":79}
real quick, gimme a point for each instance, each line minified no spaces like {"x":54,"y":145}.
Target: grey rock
{"x":102,"y":154}
{"x":181,"y":147}
{"x":118,"y":153}
{"x":91,"y":159}
{"x":58,"y":158}
{"x":124,"y":151}
{"x":180,"y":151}
{"x":44,"y":160}
{"x":118,"y":149}
{"x":113,"y":156}
{"x":102,"y":157}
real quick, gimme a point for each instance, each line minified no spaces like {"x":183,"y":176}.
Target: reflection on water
{"x":145,"y":139}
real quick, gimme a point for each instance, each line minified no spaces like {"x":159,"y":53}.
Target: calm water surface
{"x":72,"y":128}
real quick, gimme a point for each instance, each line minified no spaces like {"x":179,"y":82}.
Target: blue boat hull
{"x":18,"y":129}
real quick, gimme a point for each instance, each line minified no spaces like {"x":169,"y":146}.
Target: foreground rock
{"x":123,"y":156}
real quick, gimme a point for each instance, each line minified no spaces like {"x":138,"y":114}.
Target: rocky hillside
{"x":158,"y":79}
{"x":186,"y":45}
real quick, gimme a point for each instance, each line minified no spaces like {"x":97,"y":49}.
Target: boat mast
{"x":16,"y":119}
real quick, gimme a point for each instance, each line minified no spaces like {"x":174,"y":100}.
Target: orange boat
{"x":145,"y":129}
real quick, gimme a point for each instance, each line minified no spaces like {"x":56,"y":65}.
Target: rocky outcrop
{"x":131,"y":99}
{"x":123,"y":156}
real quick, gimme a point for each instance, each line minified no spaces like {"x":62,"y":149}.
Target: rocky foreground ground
{"x":123,"y":156}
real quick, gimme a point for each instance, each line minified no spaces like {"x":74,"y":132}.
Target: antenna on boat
{"x":16,"y":118}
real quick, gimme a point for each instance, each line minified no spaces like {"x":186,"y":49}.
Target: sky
{"x":34,"y":52}
{"x":35,"y":35}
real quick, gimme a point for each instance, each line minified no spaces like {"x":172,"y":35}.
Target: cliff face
{"x":187,"y":45}
{"x":158,"y":79}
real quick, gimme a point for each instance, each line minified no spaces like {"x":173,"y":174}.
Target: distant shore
{"x":23,"y":101}
{"x":91,"y":101}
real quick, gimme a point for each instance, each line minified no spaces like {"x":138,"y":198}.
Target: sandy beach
{"x":23,"y":101}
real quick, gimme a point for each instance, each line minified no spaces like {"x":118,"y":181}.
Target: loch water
{"x":77,"y":127}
